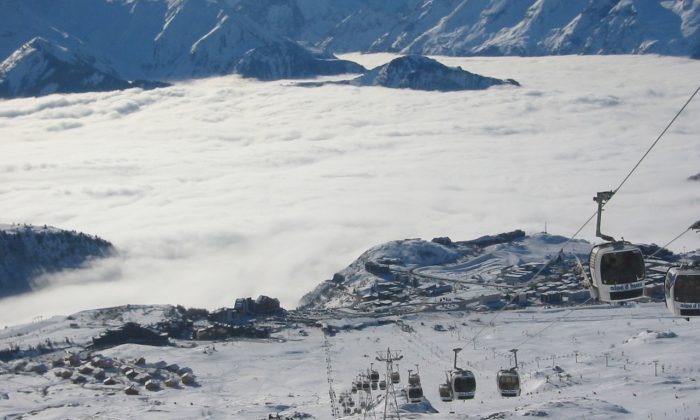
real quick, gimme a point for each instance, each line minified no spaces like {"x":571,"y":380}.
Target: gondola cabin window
{"x":622,"y":267}
{"x":464,"y":384}
{"x":687,"y":289}
{"x":509,"y":382}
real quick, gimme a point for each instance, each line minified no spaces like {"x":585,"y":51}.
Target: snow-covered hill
{"x":28,"y":252}
{"x":170,"y":40}
{"x":510,"y":269}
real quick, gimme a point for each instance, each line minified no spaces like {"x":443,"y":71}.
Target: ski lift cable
{"x":627,"y":177}
{"x":674,"y":239}
{"x":569,"y":312}
{"x":680,"y":111}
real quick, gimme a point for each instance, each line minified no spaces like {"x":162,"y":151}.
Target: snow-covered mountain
{"x":423,"y":73}
{"x":493,"y":27}
{"x":27,"y":252}
{"x":164,"y":40}
{"x":41,"y":67}
{"x":170,"y":40}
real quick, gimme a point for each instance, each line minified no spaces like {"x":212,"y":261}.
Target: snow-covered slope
{"x":594,"y":362}
{"x":423,"y":73}
{"x":27,"y":252}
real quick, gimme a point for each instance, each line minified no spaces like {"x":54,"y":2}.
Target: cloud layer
{"x":225,"y":187}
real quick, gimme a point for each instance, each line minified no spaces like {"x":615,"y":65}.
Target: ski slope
{"x":250,"y":379}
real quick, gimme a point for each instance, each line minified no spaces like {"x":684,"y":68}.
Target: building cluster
{"x":247,"y":308}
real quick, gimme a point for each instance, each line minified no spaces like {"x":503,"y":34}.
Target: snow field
{"x":250,"y":379}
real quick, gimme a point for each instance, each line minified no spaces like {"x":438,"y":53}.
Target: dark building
{"x":130,"y":332}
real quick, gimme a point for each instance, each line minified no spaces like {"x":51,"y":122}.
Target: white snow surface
{"x":562,"y":356}
{"x":223,"y":187}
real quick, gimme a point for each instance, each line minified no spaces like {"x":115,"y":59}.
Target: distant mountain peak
{"x":423,"y":73}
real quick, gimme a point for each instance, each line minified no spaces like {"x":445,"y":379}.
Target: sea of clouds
{"x":225,"y":187}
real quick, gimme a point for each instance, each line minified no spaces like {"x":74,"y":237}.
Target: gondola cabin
{"x":366,"y":386}
{"x":415,"y":393}
{"x":445,"y":391}
{"x":413,"y":378}
{"x":508,"y":382}
{"x":617,"y":272}
{"x":382,"y":385}
{"x":682,"y":287}
{"x":395,"y":377}
{"x":463,"y":384}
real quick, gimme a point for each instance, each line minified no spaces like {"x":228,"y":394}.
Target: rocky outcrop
{"x":423,"y":73}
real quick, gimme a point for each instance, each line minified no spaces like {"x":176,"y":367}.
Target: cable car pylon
{"x":391,"y":406}
{"x":335,"y":411}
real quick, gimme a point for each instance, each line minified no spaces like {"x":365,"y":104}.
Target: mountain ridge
{"x":174,"y":40}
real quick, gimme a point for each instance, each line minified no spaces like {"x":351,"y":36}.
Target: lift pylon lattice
{"x":335,"y":411}
{"x":391,"y":405}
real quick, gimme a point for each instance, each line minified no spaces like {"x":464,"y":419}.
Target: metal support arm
{"x":601,"y":198}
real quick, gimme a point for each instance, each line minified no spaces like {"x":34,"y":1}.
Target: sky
{"x":225,"y":187}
